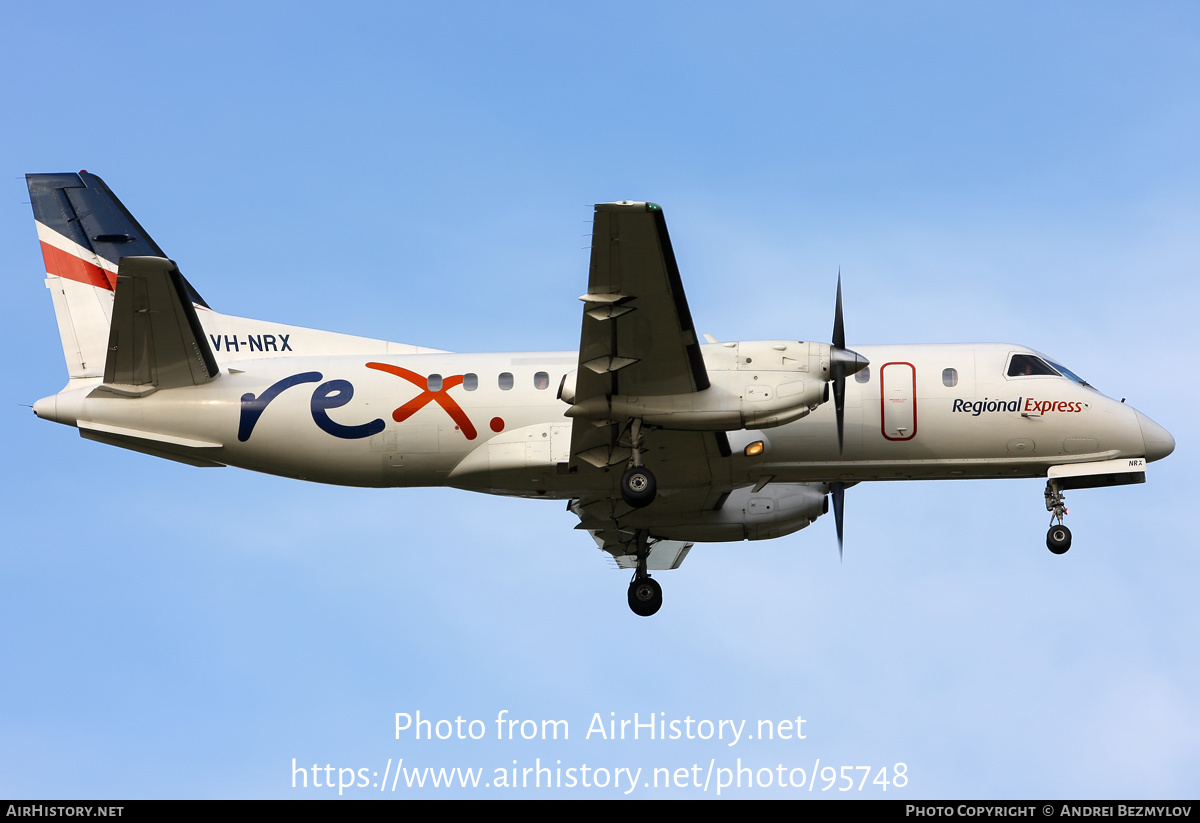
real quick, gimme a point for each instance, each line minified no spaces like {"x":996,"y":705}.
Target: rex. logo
{"x":334,"y":394}
{"x":421,"y":400}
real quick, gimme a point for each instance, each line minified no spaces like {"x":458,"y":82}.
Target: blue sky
{"x":979,"y":172}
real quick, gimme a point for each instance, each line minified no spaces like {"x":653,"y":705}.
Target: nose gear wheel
{"x":1058,"y":538}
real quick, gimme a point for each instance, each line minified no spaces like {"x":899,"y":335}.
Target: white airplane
{"x":655,"y":440}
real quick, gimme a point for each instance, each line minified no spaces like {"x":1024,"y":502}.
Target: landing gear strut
{"x":638,"y":487}
{"x":645,"y":595}
{"x":1058,"y":539}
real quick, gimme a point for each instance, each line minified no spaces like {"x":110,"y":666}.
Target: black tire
{"x":645,"y":596}
{"x":1058,"y":539}
{"x":638,"y":487}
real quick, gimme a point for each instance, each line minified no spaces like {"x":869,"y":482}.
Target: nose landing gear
{"x":1058,"y":538}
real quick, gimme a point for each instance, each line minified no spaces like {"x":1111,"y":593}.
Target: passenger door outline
{"x":898,"y":401}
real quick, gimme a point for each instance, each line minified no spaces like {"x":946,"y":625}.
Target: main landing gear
{"x":638,"y":487}
{"x":1058,"y":539}
{"x":645,"y":595}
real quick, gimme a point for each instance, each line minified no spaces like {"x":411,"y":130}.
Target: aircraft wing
{"x":637,"y":337}
{"x":664,"y":555}
{"x":614,"y":525}
{"x":693,"y":478}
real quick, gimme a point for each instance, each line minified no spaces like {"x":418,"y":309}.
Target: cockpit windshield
{"x":1029,"y":365}
{"x":1071,"y":375}
{"x":1024,"y":365}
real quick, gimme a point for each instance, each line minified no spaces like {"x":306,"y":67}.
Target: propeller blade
{"x":839,"y":371}
{"x":837,"y":491}
{"x":843,"y":363}
{"x":839,"y":333}
{"x":839,"y":402}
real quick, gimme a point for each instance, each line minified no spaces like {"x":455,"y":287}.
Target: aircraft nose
{"x":1159,"y":442}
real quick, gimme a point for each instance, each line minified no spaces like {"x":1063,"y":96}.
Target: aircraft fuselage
{"x":656,"y":440}
{"x":922,"y":411}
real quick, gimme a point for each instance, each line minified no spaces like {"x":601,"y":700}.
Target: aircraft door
{"x":898,"y":394}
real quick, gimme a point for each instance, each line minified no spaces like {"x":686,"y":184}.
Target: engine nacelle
{"x":755,"y":385}
{"x":778,"y":509}
{"x":566,"y":387}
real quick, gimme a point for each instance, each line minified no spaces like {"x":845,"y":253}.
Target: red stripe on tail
{"x":65,"y":264}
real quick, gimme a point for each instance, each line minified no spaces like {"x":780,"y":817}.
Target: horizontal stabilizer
{"x":153,"y":445}
{"x":155,"y":339}
{"x":156,"y":437}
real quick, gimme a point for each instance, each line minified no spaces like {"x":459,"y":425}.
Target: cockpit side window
{"x":1026,"y":365}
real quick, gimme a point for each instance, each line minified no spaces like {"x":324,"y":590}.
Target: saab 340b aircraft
{"x":655,"y":440}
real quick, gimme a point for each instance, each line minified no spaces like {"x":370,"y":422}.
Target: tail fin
{"x":84,"y":232}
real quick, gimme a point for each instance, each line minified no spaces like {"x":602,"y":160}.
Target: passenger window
{"x":506,"y":381}
{"x":863,"y":375}
{"x":434,"y":383}
{"x":470,"y":381}
{"x":541,"y":380}
{"x":1024,"y":365}
{"x":949,"y":378}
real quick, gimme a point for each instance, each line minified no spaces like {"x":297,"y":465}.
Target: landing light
{"x":754,"y":449}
